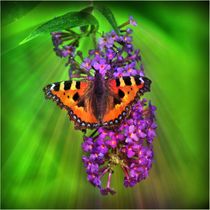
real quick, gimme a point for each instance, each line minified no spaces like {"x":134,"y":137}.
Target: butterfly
{"x":97,"y":102}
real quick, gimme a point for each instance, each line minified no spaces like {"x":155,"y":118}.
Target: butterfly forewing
{"x":124,"y":92}
{"x":72,"y":96}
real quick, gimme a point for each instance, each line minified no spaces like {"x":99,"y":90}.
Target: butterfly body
{"x":98,"y":97}
{"x":98,"y":102}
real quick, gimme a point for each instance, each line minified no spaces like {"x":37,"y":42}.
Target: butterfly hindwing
{"x":72,"y":96}
{"x":124,"y":91}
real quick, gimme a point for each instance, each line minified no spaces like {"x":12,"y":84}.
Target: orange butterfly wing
{"x":72,"y":96}
{"x":75,"y":97}
{"x":124,"y":92}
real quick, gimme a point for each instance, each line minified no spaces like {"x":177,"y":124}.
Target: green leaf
{"x":69,"y":20}
{"x":84,"y":29}
{"x":107,"y":13}
{"x":87,"y":10}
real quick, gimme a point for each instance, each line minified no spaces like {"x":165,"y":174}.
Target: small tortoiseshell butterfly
{"x":98,"y":102}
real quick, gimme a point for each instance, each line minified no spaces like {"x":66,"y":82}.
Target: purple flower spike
{"x":132,"y":21}
{"x":87,"y":145}
{"x":106,"y":191}
{"x":94,"y":179}
{"x":106,"y":41}
{"x":101,"y":66}
{"x":127,"y":144}
{"x":58,"y":38}
{"x":86,"y":64}
{"x":130,"y":152}
{"x":129,"y":31}
{"x":102,"y":148}
{"x":151,"y":134}
{"x":112,"y":143}
{"x":128,"y":40}
{"x":113,"y":35}
{"x":130,"y":69}
{"x":125,"y":147}
{"x":119,"y":72}
{"x":110,"y":54}
{"x":68,"y":51}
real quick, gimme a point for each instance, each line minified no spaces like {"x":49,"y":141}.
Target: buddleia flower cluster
{"x":129,"y":144}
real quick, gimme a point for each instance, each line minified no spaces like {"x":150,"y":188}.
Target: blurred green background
{"x":41,"y":152}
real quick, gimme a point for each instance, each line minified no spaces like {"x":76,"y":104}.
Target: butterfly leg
{"x":84,"y":131}
{"x":94,"y":132}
